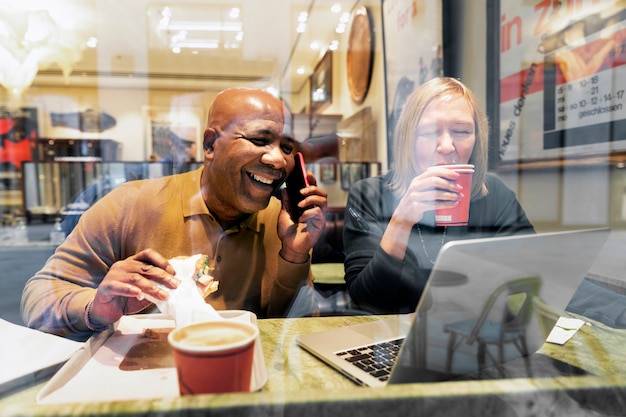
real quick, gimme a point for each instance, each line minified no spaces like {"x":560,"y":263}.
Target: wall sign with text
{"x":562,"y":78}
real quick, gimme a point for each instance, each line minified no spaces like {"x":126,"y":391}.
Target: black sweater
{"x":380,"y":283}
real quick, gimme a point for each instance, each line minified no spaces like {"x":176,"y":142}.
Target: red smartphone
{"x":296,"y":181}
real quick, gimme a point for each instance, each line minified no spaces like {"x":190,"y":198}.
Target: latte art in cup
{"x":211,"y":337}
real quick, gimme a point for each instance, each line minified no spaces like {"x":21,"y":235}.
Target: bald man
{"x":120,"y":248}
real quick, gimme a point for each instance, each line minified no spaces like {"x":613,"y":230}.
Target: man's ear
{"x":210,"y":135}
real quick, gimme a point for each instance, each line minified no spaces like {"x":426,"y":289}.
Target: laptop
{"x":413,"y":347}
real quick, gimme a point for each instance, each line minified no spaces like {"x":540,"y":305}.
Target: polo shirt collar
{"x":193,"y":204}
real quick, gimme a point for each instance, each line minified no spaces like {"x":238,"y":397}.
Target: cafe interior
{"x":97,"y":93}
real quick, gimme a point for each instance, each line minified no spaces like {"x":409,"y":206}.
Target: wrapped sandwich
{"x":186,"y":303}
{"x":201,"y":274}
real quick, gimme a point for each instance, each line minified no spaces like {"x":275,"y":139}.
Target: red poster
{"x":17,"y":127}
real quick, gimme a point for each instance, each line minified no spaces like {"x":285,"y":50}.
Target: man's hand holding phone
{"x":299,"y":238}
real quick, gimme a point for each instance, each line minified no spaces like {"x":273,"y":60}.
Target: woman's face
{"x":445,"y":133}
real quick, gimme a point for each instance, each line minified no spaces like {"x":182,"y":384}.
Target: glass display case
{"x":66,"y":188}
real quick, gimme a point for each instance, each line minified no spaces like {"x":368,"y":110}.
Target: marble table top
{"x":301,"y":384}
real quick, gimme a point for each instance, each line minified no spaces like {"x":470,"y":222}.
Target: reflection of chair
{"x":516,"y":297}
{"x":331,"y":293}
{"x":547,"y":315}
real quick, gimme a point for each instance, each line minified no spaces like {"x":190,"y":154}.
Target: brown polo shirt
{"x":169,"y":216}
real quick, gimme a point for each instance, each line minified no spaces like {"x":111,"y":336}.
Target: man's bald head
{"x":236,"y":104}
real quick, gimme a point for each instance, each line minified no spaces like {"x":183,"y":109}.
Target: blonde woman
{"x":390,"y":237}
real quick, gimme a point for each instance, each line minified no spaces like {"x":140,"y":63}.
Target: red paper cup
{"x":214,"y":356}
{"x":458,"y":215}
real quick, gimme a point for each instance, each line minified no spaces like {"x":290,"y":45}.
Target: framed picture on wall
{"x":173,"y":131}
{"x":322,"y":84}
{"x":413,"y":53}
{"x":561,"y":68}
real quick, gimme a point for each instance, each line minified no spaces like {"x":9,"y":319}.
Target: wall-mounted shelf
{"x":57,"y":149}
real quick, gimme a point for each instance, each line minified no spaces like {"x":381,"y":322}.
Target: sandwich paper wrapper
{"x":185,"y":303}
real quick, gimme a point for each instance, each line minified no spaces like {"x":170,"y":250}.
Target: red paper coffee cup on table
{"x":458,"y":215}
{"x":214,"y":356}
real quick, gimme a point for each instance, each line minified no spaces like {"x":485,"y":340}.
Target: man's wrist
{"x":94,"y":327}
{"x":294,"y":257}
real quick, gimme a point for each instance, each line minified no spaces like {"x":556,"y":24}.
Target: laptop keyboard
{"x":376,"y":359}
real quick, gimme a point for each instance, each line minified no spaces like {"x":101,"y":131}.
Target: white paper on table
{"x":26,"y":354}
{"x":564,"y":329}
{"x":94,"y":373}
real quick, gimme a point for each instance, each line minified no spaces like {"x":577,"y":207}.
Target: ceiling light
{"x":301,"y":70}
{"x":92,"y":42}
{"x":234,"y":13}
{"x":335,"y":8}
{"x":198,"y":44}
{"x":319,"y":95}
{"x":301,"y":28}
{"x":203,"y":26}
{"x":315,"y":45}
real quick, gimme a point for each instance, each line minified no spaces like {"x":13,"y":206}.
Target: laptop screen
{"x":480,"y":310}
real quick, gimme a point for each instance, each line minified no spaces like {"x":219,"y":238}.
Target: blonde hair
{"x":404,"y":138}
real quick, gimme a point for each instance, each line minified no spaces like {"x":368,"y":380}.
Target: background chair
{"x":547,"y":315}
{"x":494,"y":327}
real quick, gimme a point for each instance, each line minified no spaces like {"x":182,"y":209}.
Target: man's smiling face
{"x":251,"y":155}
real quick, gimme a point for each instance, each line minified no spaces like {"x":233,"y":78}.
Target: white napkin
{"x":185,"y":303}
